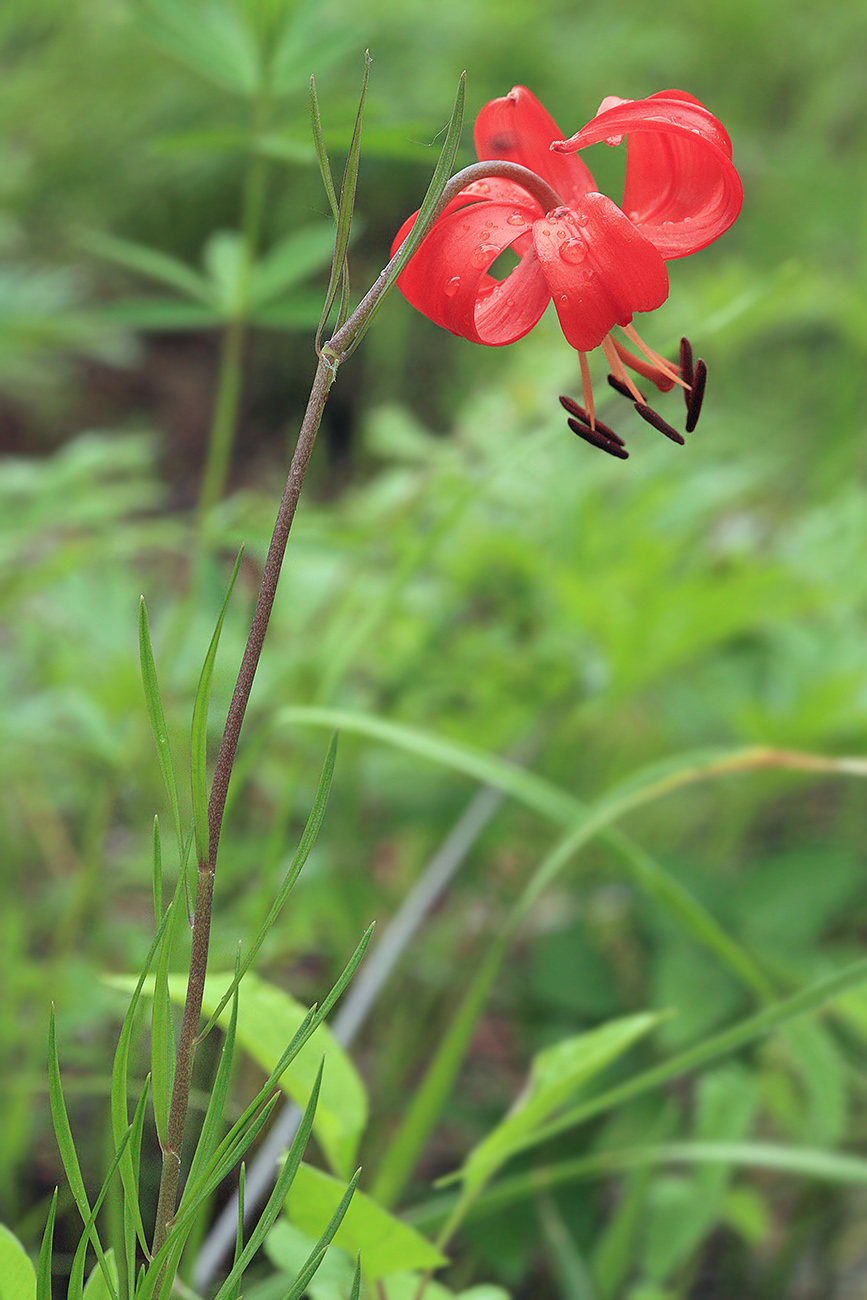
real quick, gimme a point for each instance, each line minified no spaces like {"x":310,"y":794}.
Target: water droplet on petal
{"x":564,"y":298}
{"x":573,"y":251}
{"x":582,"y":218}
{"x":561,"y":234}
{"x":516,"y":219}
{"x":452,"y":286}
{"x":484,"y":255}
{"x":614,"y":139}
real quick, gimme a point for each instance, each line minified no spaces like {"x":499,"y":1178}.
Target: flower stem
{"x":332,"y":355}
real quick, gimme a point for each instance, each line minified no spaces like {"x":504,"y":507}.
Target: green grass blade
{"x":308,"y":839}
{"x":199,"y":729}
{"x":162,"y":1024}
{"x":105,"y":1258}
{"x":302,"y":1281}
{"x":345,"y":207}
{"x":157,"y":719}
{"x":209,"y":1135}
{"x":65,"y":1141}
{"x":275,"y":1201}
{"x":157,"y":872}
{"x":150,"y":262}
{"x":120,"y":1086}
{"x":46,"y":1250}
{"x":711,"y":1049}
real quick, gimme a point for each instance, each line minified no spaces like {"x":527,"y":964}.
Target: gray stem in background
{"x":354,"y":1010}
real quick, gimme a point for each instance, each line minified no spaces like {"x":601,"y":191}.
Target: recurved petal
{"x":599,"y":269}
{"x":447,"y":278}
{"x":682,"y":189}
{"x":518,"y":129}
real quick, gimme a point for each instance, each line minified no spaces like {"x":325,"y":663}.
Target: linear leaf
{"x":157,"y":718}
{"x":120,"y":1085}
{"x":439,"y":180}
{"x":275,"y":1201}
{"x":65,"y":1140}
{"x":291,"y":261}
{"x":308,"y":839}
{"x":46,"y":1250}
{"x":209,"y":1135}
{"x":345,"y":207}
{"x":199,"y":729}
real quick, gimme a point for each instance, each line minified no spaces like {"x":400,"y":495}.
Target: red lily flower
{"x":599,"y":262}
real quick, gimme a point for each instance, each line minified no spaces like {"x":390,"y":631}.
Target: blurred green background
{"x":461,"y":564}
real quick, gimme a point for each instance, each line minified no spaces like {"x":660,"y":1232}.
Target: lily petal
{"x":682,"y":189}
{"x":517,"y":129}
{"x":599,"y":269}
{"x":447,"y":278}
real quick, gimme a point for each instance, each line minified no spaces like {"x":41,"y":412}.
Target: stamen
{"x":580,"y":414}
{"x":596,"y":439}
{"x":658,"y":423}
{"x":693,"y":411}
{"x":640,"y":366}
{"x":626,"y":386}
{"x":587,"y":389}
{"x":665,"y":366}
{"x":687,"y":369}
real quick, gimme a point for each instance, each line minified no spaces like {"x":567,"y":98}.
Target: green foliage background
{"x":462,"y":566}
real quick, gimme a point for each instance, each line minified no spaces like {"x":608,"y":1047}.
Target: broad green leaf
{"x":225,"y":259}
{"x":161,"y":315}
{"x":290,"y":261}
{"x":96,"y":1287}
{"x":17,"y":1278}
{"x":387,"y":1244}
{"x":267,"y":1020}
{"x":288,"y":1248}
{"x":151,"y":263}
{"x":555,"y":1075}
{"x":300,"y":311}
{"x":210,"y":39}
{"x":309,"y":39}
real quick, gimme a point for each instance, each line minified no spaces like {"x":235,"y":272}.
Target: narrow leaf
{"x":345,"y":207}
{"x":65,"y":1141}
{"x":120,"y":1086}
{"x":427,"y":211}
{"x":321,"y":151}
{"x":199,"y":730}
{"x":308,"y":839}
{"x":209,"y":1135}
{"x":157,"y":718}
{"x":46,"y":1251}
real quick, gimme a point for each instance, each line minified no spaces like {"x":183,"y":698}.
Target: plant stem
{"x":324,"y":377}
{"x":332,"y":355}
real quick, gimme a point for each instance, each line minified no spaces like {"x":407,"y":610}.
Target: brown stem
{"x":322,"y":382}
{"x":333,"y":353}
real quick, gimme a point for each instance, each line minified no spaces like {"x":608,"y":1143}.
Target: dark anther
{"x":658,"y":423}
{"x":597,"y":438}
{"x":696,"y":396}
{"x":687,"y":372}
{"x":621,"y":388}
{"x":580,"y":414}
